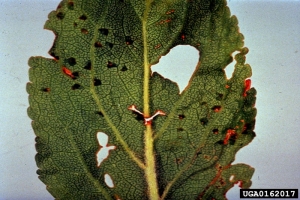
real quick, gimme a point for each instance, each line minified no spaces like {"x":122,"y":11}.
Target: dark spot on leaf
{"x":88,"y":66}
{"x":108,"y":44}
{"x":128,"y":40}
{"x":97,"y":44}
{"x":71,"y":61}
{"x":97,"y":82}
{"x":124,"y":68}
{"x":103,"y":31}
{"x":46,"y":89}
{"x":216,"y":108}
{"x":111,"y":64}
{"x":75,"y":86}
{"x":75,"y":75}
{"x":60,"y":15}
{"x":219,"y":97}
{"x":204,"y":121}
{"x":220,"y":142}
{"x":75,"y":24}
{"x":138,"y":116}
{"x":99,"y":113}
{"x":84,"y":31}
{"x":215,"y":131}
{"x":203,"y":103}
{"x":181,"y":116}
{"x":70,"y":5}
{"x":83,"y":17}
{"x":180,"y":129}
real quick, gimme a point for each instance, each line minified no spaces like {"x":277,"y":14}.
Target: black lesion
{"x":219,"y":96}
{"x":97,"y":82}
{"x":54,"y":56}
{"x":88,"y":66}
{"x":83,"y":17}
{"x":71,"y":61}
{"x":204,"y":121}
{"x":76,"y":86}
{"x":180,"y":129}
{"x":45,"y":89}
{"x":99,"y":113}
{"x":124,"y":68}
{"x":75,"y":75}
{"x":70,"y":5}
{"x":128,"y":40}
{"x":97,"y":44}
{"x":215,"y":131}
{"x":181,"y":116}
{"x":110,"y":45}
{"x":60,"y":15}
{"x":111,"y":64}
{"x":104,"y":31}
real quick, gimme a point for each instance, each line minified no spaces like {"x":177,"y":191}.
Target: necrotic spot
{"x":108,"y":44}
{"x":75,"y":86}
{"x":75,"y":75}
{"x":99,"y":113}
{"x":98,"y":44}
{"x":84,"y":31}
{"x":179,"y":129}
{"x":128,"y":40}
{"x":215,"y":131}
{"x":124,"y":68}
{"x":204,"y":121}
{"x":97,"y":82}
{"x":181,"y":116}
{"x":83,"y":17}
{"x":103,"y":31}
{"x":60,"y":15}
{"x":71,"y":61}
{"x":45,"y":89}
{"x":70,"y":5}
{"x":88,"y":66}
{"x":216,"y":108}
{"x":111,"y":64}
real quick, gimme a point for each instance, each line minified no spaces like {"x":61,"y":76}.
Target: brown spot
{"x":75,"y":86}
{"x":128,"y":40}
{"x":104,"y":31}
{"x":216,"y":108}
{"x":170,"y":12}
{"x":111,"y":64}
{"x":83,"y":17}
{"x":97,"y":82}
{"x":215,"y":131}
{"x":46,"y":89}
{"x":84,"y":31}
{"x":97,"y":44}
{"x":227,"y":86}
{"x":60,"y":15}
{"x":181,"y":116}
{"x":157,"y":46}
{"x":180,"y":129}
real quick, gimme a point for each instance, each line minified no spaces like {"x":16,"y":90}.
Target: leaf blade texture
{"x":102,"y":56}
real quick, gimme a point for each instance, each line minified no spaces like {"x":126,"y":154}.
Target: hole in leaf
{"x":70,"y":5}
{"x":104,"y":149}
{"x":204,"y":121}
{"x":128,"y":40}
{"x":97,"y":44}
{"x":124,"y":68}
{"x":84,"y":31}
{"x":45,"y":89}
{"x":71,"y":61}
{"x":97,"y":82}
{"x":104,"y":31}
{"x":108,"y":44}
{"x":83,"y":17}
{"x":60,"y":15}
{"x":88,"y":66}
{"x":111,"y":64}
{"x":230,"y":67}
{"x":178,"y":65}
{"x":181,"y":116}
{"x":75,"y":86}
{"x":108,"y":180}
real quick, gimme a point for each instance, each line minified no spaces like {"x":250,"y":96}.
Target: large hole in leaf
{"x":178,"y":65}
{"x":104,"y":149}
{"x":230,"y":68}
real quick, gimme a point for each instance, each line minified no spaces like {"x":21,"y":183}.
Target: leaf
{"x":99,"y":80}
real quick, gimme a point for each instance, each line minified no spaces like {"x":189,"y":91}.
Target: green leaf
{"x":100,"y":74}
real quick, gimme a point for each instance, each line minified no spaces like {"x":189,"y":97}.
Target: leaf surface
{"x":101,"y":63}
